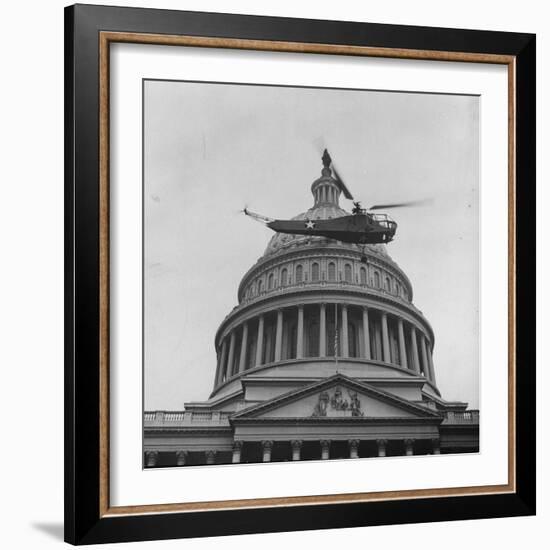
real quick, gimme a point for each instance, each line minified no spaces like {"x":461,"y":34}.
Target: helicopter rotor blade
{"x":341,"y":183}
{"x":400,"y":204}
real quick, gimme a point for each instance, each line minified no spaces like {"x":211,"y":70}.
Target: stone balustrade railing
{"x":185,"y":418}
{"x":462,"y":417}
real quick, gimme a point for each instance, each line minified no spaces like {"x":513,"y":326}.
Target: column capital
{"x":409,"y":443}
{"x":267,"y":444}
{"x":238,"y":444}
{"x":296,"y":444}
{"x":210,"y":457}
{"x":181,"y":458}
{"x":382,"y":442}
{"x":151,"y":458}
{"x":325,"y":442}
{"x":353,"y":442}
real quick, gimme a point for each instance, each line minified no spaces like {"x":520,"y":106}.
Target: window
{"x":347,"y":273}
{"x":260,"y":286}
{"x":387,"y":284}
{"x":363,"y":276}
{"x":299,"y":273}
{"x":270,"y":281}
{"x":284,"y":277}
{"x":377,"y":279}
{"x":315,"y":272}
{"x":332,"y":271}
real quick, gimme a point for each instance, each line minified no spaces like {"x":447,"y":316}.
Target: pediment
{"x":337,"y":397}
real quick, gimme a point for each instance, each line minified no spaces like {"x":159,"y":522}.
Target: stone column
{"x":416,"y":361}
{"x":431,"y":364}
{"x":222,"y":365}
{"x":325,"y":449}
{"x":353,"y":448}
{"x":279,"y":336}
{"x":402,"y":348}
{"x":385,"y":338}
{"x":210,"y":457}
{"x":436,"y":446}
{"x":231,"y":357}
{"x":345,"y":338}
{"x":244,"y":345}
{"x":237,"y":449}
{"x":267,"y":446}
{"x":300,"y":336}
{"x":260,"y":341}
{"x":181,"y":458}
{"x":382,"y":444}
{"x":425,"y":366}
{"x":409,"y":447}
{"x":296,"y":445}
{"x":323,"y":331}
{"x":366,"y":333}
{"x":151,"y":459}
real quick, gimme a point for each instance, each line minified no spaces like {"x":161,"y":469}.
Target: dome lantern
{"x":326,"y":189}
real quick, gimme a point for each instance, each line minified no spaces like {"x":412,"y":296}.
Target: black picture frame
{"x":84,"y":522}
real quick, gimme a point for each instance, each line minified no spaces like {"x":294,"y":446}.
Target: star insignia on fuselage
{"x":310,"y":224}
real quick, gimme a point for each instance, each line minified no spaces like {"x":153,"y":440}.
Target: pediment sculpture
{"x":338,"y":404}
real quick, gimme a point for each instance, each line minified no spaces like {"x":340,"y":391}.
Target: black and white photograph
{"x":310,"y":273}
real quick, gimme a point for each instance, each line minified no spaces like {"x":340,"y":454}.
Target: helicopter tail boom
{"x":258,"y":217}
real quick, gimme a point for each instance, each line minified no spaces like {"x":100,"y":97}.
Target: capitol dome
{"x":311,"y":297}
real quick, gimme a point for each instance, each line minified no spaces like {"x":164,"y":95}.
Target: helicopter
{"x":363,"y":226}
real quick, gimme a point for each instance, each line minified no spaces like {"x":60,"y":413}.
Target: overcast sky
{"x":212,"y":148}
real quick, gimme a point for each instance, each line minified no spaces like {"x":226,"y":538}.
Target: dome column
{"x":221,"y":363}
{"x":385,"y":338}
{"x":345,"y":337}
{"x":244,"y":344}
{"x":416,"y":361}
{"x":300,"y":338}
{"x":431,"y":364}
{"x":260,"y":340}
{"x":323,"y":331}
{"x":366,"y":334}
{"x":425,"y":366}
{"x":279,"y":336}
{"x":402,"y":350}
{"x":231,"y":357}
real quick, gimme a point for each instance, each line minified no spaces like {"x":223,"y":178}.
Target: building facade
{"x":325,"y":356}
